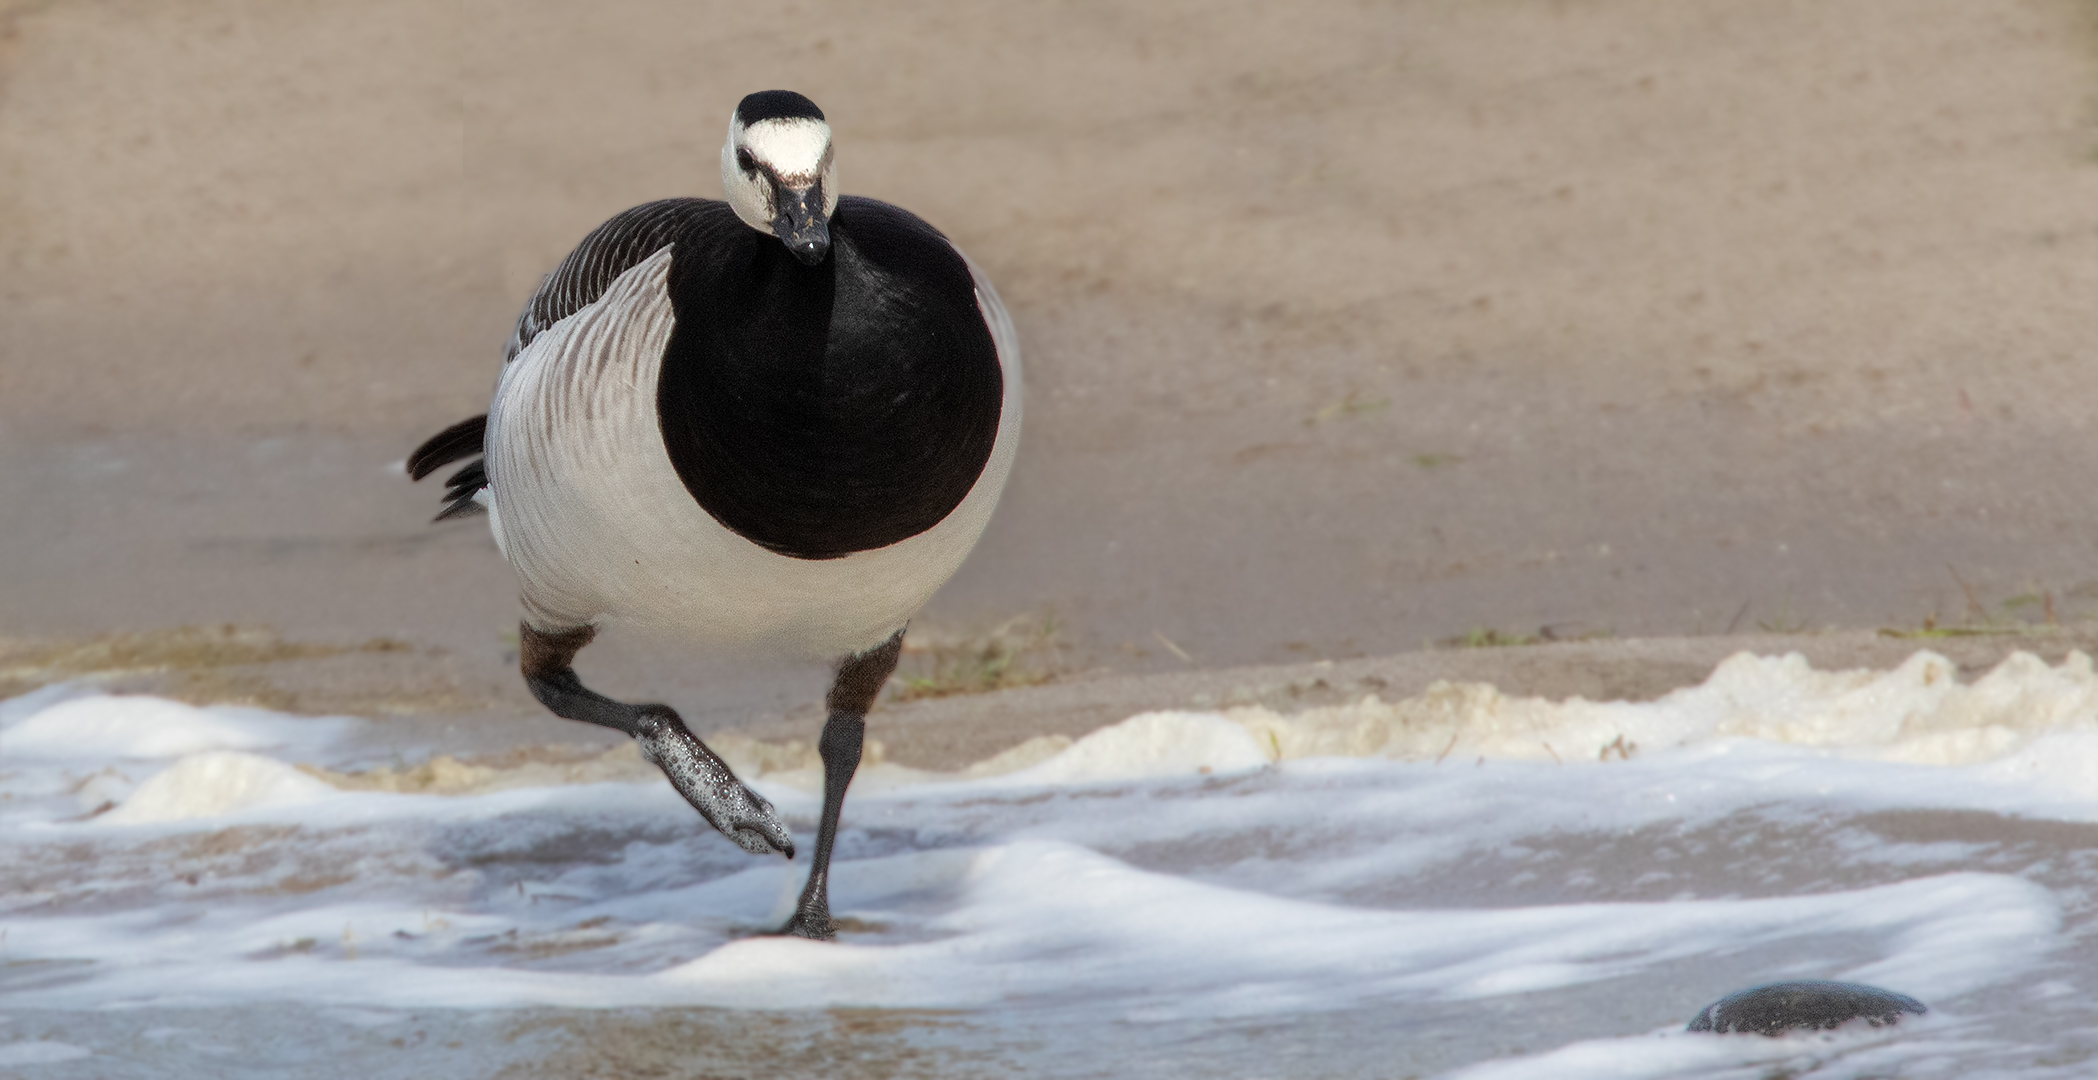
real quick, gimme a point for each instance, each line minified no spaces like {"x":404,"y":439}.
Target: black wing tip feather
{"x":459,"y":508}
{"x":461,"y":440}
{"x":461,"y":488}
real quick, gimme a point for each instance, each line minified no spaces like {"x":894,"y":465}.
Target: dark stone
{"x":1809,"y":1005}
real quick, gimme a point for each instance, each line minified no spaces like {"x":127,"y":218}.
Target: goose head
{"x":777,"y":171}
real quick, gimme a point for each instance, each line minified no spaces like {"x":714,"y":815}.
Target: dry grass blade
{"x":1020,"y":651}
{"x":186,"y":650}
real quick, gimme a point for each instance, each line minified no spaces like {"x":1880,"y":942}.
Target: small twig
{"x":1974,"y":608}
{"x":1172,"y":648}
{"x":1736,"y":620}
{"x":1555,"y":754}
{"x":1446,"y":750}
{"x":2048,"y":597}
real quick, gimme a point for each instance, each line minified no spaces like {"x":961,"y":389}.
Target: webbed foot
{"x":815,"y":926}
{"x":706,"y":782}
{"x":696,"y":772}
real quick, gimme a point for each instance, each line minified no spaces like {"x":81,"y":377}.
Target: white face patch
{"x":796,"y":151}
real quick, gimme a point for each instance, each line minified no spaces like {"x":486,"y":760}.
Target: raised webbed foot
{"x":706,"y":782}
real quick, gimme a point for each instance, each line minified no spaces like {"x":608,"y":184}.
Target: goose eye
{"x":744,"y":161}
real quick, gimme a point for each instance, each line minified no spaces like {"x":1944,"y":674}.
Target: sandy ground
{"x":1349,"y":327}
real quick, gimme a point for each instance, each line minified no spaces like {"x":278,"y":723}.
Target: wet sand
{"x":1348,"y":329}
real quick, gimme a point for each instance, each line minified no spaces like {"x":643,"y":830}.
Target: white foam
{"x":215,"y":784}
{"x":1173,"y":948}
{"x":1918,"y":712}
{"x":2065,"y":765}
{"x":1147,"y":745}
{"x":105,"y":727}
{"x":1176,"y":868}
{"x":1672,"y":1053}
{"x":39,"y":1052}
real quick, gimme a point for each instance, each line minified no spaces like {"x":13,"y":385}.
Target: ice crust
{"x":1178,"y":867}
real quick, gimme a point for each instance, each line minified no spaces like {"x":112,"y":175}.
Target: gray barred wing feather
{"x":610,"y":250}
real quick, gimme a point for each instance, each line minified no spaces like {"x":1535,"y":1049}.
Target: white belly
{"x":588,"y":509}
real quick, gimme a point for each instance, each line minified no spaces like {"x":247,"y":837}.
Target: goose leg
{"x":852,"y":693}
{"x":695,"y":771}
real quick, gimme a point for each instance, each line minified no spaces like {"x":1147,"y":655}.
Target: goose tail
{"x":466,"y":491}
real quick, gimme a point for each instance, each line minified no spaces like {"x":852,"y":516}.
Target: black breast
{"x":819,"y":411}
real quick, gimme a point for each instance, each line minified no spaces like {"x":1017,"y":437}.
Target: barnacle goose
{"x":780,"y":421}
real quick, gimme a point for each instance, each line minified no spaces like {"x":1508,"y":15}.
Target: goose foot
{"x":705,"y":781}
{"x":696,"y":772}
{"x":852,"y":692}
